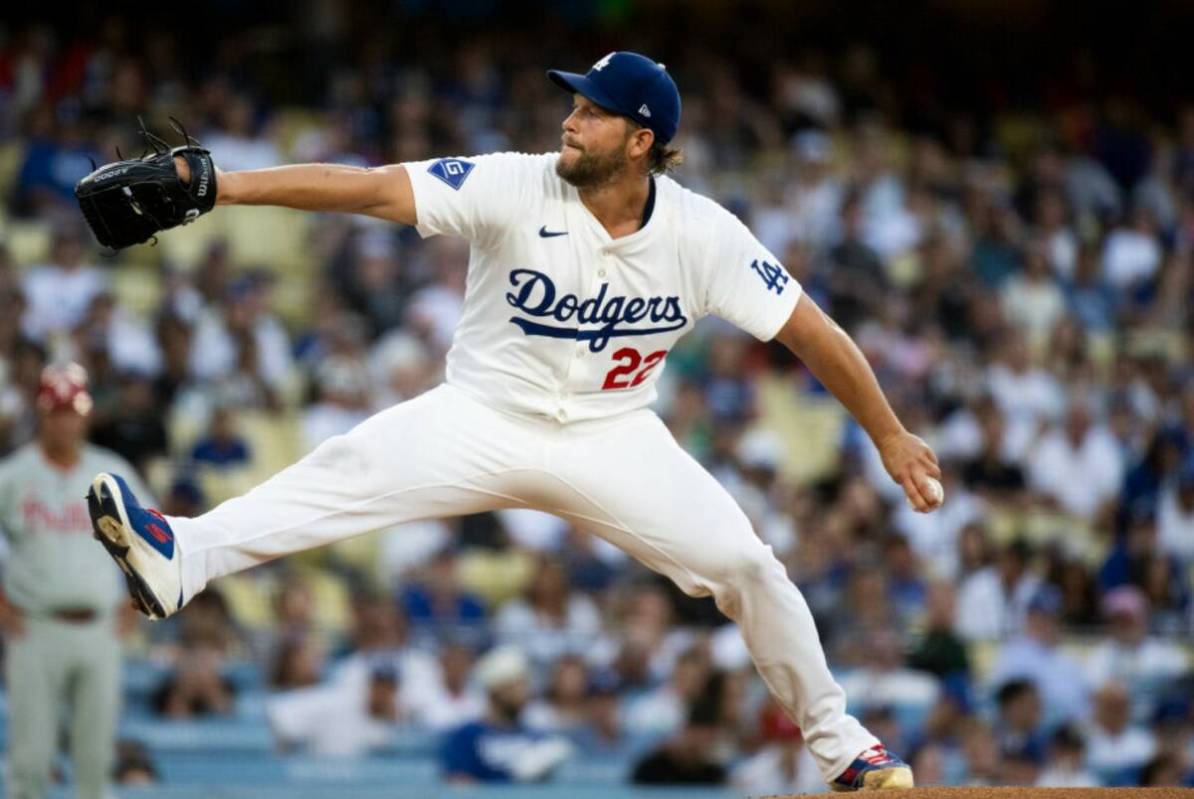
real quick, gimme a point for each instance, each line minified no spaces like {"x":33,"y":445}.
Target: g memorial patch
{"x":453,"y":171}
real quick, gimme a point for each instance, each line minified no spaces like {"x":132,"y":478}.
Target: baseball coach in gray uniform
{"x":59,"y":605}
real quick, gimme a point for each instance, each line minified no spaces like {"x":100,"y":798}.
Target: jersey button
{"x":601,"y":273}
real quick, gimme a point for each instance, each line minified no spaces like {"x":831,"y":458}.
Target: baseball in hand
{"x":934,"y":491}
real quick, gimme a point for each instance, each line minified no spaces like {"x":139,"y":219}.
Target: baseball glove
{"x":127,"y":202}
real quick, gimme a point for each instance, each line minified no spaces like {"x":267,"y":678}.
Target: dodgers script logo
{"x":535,"y":295}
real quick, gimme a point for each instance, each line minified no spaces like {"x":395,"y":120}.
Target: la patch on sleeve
{"x":453,"y":171}
{"x":773,"y":275}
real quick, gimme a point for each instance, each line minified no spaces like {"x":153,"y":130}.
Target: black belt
{"x":75,"y":615}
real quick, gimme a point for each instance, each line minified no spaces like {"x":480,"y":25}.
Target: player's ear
{"x":640,"y":142}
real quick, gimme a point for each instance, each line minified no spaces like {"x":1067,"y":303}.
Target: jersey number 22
{"x":629,"y":360}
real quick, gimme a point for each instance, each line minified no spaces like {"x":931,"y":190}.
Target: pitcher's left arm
{"x":834,"y":359}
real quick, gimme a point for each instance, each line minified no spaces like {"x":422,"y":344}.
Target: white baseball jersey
{"x":53,"y":563}
{"x":564,"y":321}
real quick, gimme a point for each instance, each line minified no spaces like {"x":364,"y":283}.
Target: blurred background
{"x":995,"y":198}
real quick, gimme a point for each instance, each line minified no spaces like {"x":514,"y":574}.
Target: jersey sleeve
{"x":469,"y":197}
{"x":747,"y":285}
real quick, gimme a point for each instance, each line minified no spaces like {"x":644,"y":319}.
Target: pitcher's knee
{"x":748,"y":567}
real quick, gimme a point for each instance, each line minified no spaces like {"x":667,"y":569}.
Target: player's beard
{"x":592,"y":169}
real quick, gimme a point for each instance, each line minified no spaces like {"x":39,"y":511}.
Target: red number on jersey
{"x":649,"y":363}
{"x":618,"y":377}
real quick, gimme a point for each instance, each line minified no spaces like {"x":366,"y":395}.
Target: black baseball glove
{"x":129,"y":201}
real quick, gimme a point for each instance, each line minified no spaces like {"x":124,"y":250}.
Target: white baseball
{"x":935,"y":491}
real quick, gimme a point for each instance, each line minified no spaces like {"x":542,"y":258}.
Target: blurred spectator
{"x":1115,"y":746}
{"x":1032,"y":300}
{"x":1168,"y":592}
{"x":325,"y":723}
{"x":1021,"y":735}
{"x":342,"y":387}
{"x":563,"y":707}
{"x":1144,"y":663}
{"x":1065,"y":762}
{"x":196,"y":687}
{"x":1027,"y":395}
{"x":664,"y":709}
{"x":235,"y":142}
{"x":993,"y":471}
{"x":992,"y":601}
{"x":1071,"y":575}
{"x":1164,"y":770}
{"x":297,"y":663}
{"x":58,"y":293}
{"x":134,"y":765}
{"x":381,"y":639}
{"x":884,"y":680}
{"x":57,"y":156}
{"x":1035,"y":656}
{"x":436,"y":603}
{"x":499,"y":748}
{"x":688,"y":757}
{"x":1078,"y":466}
{"x":550,"y":619}
{"x":402,"y":368}
{"x":603,"y":731}
{"x":460,"y":700}
{"x":135,"y":429}
{"x":980,"y":751}
{"x":857,"y":279}
{"x":241,"y":345}
{"x":941,"y":651}
{"x":1175,"y":518}
{"x":184,"y":498}
{"x":783,"y":764}
{"x":222,"y":447}
{"x":1132,"y":253}
{"x":1088,"y":296}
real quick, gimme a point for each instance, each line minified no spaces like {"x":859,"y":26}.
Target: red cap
{"x":64,"y":386}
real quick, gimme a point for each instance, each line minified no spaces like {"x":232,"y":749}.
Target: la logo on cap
{"x":603,"y":63}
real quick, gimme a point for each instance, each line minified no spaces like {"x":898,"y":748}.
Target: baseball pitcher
{"x":586,"y":266}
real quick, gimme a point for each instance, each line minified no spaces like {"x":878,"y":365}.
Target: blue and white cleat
{"x":874,"y":769}
{"x":140,"y":541}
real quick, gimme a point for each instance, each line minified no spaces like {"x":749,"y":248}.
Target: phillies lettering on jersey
{"x":536,"y":296}
{"x":44,"y":521}
{"x":70,"y":518}
{"x":560,"y":319}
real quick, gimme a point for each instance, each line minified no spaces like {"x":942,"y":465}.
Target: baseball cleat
{"x":874,"y":769}
{"x":140,"y":541}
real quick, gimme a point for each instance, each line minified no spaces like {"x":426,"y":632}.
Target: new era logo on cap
{"x":632,"y":85}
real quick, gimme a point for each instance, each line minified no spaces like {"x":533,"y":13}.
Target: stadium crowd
{"x":1023,"y":286}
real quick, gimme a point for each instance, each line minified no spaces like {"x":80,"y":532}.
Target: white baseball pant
{"x":446,"y":453}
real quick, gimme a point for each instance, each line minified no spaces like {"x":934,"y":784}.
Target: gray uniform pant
{"x":57,"y":666}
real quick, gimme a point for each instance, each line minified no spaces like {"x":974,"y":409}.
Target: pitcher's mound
{"x":1026,"y":792}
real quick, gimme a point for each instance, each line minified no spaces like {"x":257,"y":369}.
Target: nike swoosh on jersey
{"x":544,"y":233}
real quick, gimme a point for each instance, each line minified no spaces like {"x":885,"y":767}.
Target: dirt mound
{"x":1028,"y":792}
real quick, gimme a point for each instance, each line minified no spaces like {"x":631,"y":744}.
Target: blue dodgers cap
{"x":632,"y":85}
